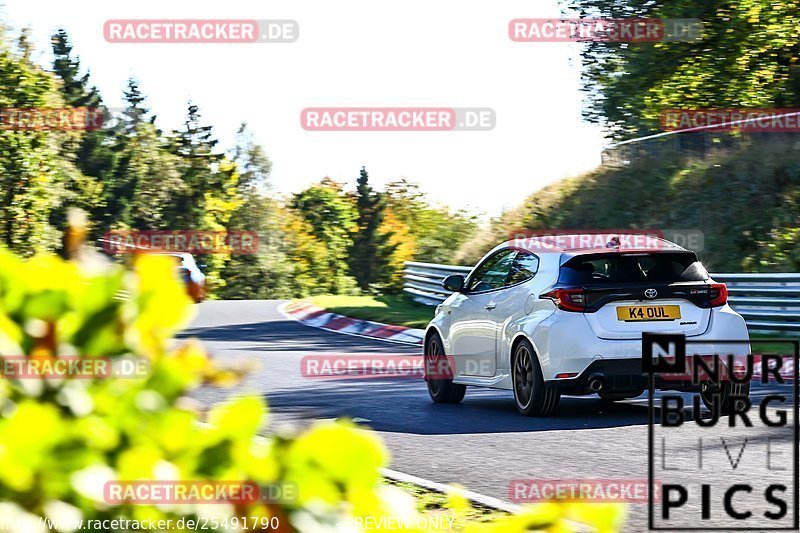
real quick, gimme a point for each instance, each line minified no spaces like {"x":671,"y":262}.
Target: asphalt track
{"x":483,"y":444}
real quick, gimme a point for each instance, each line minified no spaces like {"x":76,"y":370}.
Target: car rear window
{"x":662,"y":267}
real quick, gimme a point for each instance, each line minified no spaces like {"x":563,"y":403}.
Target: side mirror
{"x":453,"y":282}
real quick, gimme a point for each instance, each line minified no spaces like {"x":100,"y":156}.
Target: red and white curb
{"x":311,"y":315}
{"x":786,"y":371}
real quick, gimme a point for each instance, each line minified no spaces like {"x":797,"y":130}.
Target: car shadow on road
{"x":289,"y":335}
{"x":403,"y":406}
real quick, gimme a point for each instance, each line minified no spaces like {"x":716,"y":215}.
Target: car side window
{"x":493,"y":272}
{"x":523,"y":268}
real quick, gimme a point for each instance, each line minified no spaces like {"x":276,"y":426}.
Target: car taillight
{"x":718,"y":293}
{"x":567,"y":299}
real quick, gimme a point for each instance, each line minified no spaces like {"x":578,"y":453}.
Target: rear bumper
{"x":567,"y":345}
{"x":618,"y":375}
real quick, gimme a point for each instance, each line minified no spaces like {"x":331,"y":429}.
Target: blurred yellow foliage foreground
{"x":64,"y":438}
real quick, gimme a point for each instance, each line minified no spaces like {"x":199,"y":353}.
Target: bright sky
{"x":357,"y":53}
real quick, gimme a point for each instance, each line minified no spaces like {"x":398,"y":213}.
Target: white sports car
{"x":543,"y":320}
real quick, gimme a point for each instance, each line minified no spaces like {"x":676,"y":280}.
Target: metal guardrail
{"x":423,"y":281}
{"x":768,"y":302}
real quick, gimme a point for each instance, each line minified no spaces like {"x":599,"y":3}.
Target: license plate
{"x":648,"y":313}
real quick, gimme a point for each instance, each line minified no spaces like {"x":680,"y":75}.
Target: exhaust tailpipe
{"x":596,"y":383}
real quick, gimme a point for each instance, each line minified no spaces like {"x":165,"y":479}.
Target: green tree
{"x":331,"y":216}
{"x":748,"y":56}
{"x":34,"y":174}
{"x":253,"y":162}
{"x":310,"y":258}
{"x":75,"y":86}
{"x":370,"y":253}
{"x":781,"y":253}
{"x":153,"y":175}
{"x":93,"y":154}
{"x":135,"y":111}
{"x":137,"y":151}
{"x":437,"y":229}
{"x":199,"y":168}
{"x":268,"y":273}
{"x":24,"y":43}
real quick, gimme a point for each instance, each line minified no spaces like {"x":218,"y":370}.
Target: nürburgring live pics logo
{"x":735,"y":469}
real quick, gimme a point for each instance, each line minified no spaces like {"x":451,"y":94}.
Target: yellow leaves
{"x":390,"y":508}
{"x":39,"y":288}
{"x":156,"y":274}
{"x":140,"y":428}
{"x":752,"y":12}
{"x":163,"y":305}
{"x":558,"y":517}
{"x":191,"y":358}
{"x":189,"y":366}
{"x":224,"y":377}
{"x":400,"y":237}
{"x":174,"y":431}
{"x":257,"y":459}
{"x":97,"y":432}
{"x":50,"y":273}
{"x":140,"y":462}
{"x":222,"y":202}
{"x":335,"y":461}
{"x":604,"y":517}
{"x":541,"y":517}
{"x":26,"y":440}
{"x":239,"y":418}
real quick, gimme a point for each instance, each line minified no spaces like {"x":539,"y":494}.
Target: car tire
{"x":440,"y":390}
{"x":724,"y":395}
{"x":532,"y":395}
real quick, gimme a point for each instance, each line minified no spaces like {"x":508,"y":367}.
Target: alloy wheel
{"x":523,"y":375}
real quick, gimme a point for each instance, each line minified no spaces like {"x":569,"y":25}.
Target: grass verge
{"x":781,"y":348}
{"x":393,"y":309}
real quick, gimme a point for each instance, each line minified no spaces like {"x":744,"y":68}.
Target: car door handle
{"x":490,"y":306}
